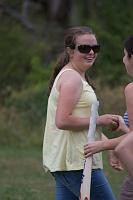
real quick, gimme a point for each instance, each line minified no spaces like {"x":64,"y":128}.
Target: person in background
{"x":69,"y":104}
{"x":123,"y":145}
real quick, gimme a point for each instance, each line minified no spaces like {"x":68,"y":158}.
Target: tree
{"x":56,"y":11}
{"x":21,"y":16}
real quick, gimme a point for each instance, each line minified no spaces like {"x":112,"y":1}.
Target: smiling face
{"x":128,"y":62}
{"x":84,"y":60}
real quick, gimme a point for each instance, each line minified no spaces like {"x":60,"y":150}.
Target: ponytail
{"x":61,"y":62}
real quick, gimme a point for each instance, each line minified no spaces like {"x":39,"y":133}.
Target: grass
{"x":22,"y":176}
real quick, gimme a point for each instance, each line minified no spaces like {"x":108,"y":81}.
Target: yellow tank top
{"x":63,"y":150}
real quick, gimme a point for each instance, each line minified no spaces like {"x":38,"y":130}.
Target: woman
{"x":70,"y":99}
{"x":123,"y":145}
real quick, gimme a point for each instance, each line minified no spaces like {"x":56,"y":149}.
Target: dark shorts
{"x":126,"y":192}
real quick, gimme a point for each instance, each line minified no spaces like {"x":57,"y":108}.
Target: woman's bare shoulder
{"x":71,"y":76}
{"x":129,"y":87}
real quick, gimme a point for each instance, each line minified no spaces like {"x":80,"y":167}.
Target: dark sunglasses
{"x":84,"y":48}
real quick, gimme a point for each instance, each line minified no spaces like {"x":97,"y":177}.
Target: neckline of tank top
{"x":65,"y":69}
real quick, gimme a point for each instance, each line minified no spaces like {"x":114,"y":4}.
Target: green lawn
{"x":23,"y":178}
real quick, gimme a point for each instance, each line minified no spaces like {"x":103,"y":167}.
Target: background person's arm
{"x":125,"y":149}
{"x":102,"y":145}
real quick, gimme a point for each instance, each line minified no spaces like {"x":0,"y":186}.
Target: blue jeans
{"x":68,"y":185}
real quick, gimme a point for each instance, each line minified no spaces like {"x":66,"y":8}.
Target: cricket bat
{"x":86,"y":179}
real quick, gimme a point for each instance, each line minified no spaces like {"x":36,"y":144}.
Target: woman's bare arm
{"x":70,"y":87}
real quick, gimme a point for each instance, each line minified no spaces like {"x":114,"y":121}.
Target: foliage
{"x":20,"y":49}
{"x":22,"y":119}
{"x":21,"y":56}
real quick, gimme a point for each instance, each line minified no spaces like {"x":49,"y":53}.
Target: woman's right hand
{"x":122,"y":126}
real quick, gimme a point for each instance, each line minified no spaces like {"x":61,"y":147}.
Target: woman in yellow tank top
{"x":70,"y":98}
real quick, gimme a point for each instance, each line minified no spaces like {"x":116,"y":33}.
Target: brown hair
{"x":69,"y":41}
{"x":128,"y":45}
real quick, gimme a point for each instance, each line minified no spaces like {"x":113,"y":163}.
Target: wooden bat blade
{"x":85,"y":188}
{"x":86,"y":179}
